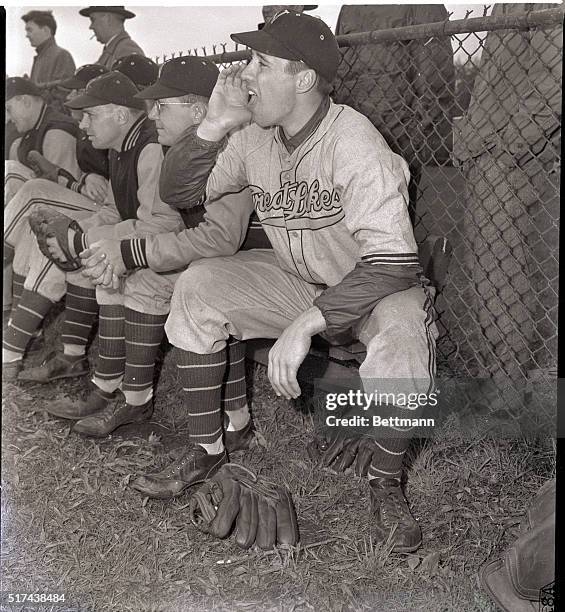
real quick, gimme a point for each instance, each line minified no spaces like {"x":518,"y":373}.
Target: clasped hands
{"x":102,"y":262}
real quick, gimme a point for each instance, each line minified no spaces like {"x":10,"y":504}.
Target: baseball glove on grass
{"x":341,"y":452}
{"x":47,"y":223}
{"x":237,"y":501}
{"x":45,"y":169}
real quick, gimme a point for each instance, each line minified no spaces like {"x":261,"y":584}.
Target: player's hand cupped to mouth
{"x":228,"y":105}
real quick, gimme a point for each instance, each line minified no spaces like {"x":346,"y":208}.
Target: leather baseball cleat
{"x":75,"y":410}
{"x":195,"y":467}
{"x":239,"y":440}
{"x":391,"y":517}
{"x":56,"y":366}
{"x":111,"y":417}
{"x":11,"y":370}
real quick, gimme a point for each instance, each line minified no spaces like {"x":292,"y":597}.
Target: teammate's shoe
{"x":11,"y":370}
{"x":391,"y":517}
{"x":195,"y":467}
{"x":239,"y":440}
{"x":111,"y":417}
{"x":75,"y":410}
{"x":56,"y":366}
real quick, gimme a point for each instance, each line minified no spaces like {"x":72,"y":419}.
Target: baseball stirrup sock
{"x":144,"y":334}
{"x":201,"y":378}
{"x":26,"y":318}
{"x":234,"y":395}
{"x":111,"y":347}
{"x":81,"y":309}
{"x":17,"y":289}
{"x":392,"y":442}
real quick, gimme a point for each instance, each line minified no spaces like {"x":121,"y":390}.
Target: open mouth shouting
{"x":252,"y":99}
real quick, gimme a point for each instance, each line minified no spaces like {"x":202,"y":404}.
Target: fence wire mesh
{"x":479,"y":122}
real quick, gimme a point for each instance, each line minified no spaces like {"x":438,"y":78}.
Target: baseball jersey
{"x":335,"y":209}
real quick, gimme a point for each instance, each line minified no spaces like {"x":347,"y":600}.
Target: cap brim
{"x":262,"y":41}
{"x":158,"y":91}
{"x":86,"y":12}
{"x":85,"y":101}
{"x":72,"y":83}
{"x":310,"y":7}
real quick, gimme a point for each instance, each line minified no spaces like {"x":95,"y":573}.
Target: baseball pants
{"x":17,"y":232}
{"x":15,"y":175}
{"x":248,"y":296}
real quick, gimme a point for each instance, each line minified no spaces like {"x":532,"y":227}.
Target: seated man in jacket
{"x":56,"y":188}
{"x":114,"y":119}
{"x":41,"y":129}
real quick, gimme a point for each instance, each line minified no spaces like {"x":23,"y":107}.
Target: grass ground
{"x":71,"y":524}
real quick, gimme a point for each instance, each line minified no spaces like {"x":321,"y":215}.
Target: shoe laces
{"x":393,"y":506}
{"x":177,"y":467}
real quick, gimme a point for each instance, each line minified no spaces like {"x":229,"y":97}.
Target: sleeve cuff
{"x":79,"y":242}
{"x":133,"y":253}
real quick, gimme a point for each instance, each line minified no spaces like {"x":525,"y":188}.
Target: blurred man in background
{"x":107,"y":23}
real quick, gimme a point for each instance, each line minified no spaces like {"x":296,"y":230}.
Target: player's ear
{"x":306,"y":80}
{"x":122,"y":114}
{"x":199,"y":110}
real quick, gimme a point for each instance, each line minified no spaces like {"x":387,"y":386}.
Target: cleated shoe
{"x":195,"y":467}
{"x":11,"y":370}
{"x":111,"y":417}
{"x":391,"y":516}
{"x":239,"y":440}
{"x":75,"y":410}
{"x":56,"y":366}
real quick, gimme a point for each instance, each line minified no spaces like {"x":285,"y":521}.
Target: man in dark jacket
{"x":107,"y":23}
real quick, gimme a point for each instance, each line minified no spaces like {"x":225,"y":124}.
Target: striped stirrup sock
{"x":144,"y":333}
{"x":111,"y":343}
{"x":26,"y":318}
{"x":81,"y":309}
{"x":201,"y":378}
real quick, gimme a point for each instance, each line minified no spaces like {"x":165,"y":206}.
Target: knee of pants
{"x":400,"y":336}
{"x":199,"y":282}
{"x":148,"y":292}
{"x":109,"y":297}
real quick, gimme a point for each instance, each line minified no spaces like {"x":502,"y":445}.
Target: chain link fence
{"x":474,"y":106}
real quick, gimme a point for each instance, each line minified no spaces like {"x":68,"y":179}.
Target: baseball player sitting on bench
{"x":56,"y":188}
{"x":180,"y":98}
{"x":332,"y":198}
{"x":41,"y":129}
{"x":30,"y":267}
{"x":113,"y":119}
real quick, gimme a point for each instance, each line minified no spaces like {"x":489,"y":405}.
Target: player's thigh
{"x":400,"y":336}
{"x":40,"y":192}
{"x":148,"y":292}
{"x":247,"y":295}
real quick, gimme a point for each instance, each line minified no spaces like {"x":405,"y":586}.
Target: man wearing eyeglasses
{"x":176,"y":102}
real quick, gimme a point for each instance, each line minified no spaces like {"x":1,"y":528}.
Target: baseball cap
{"x":141,"y":70}
{"x":18,"y":86}
{"x":83,"y":74}
{"x":118,"y":10}
{"x":296,"y":36}
{"x":181,"y":76}
{"x":110,"y":88}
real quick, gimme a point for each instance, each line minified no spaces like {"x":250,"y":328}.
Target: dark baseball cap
{"x":118,"y":10}
{"x":296,"y":36}
{"x":18,"y":86}
{"x":110,"y":88}
{"x":141,"y":70}
{"x":83,"y":74}
{"x":181,"y":76}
